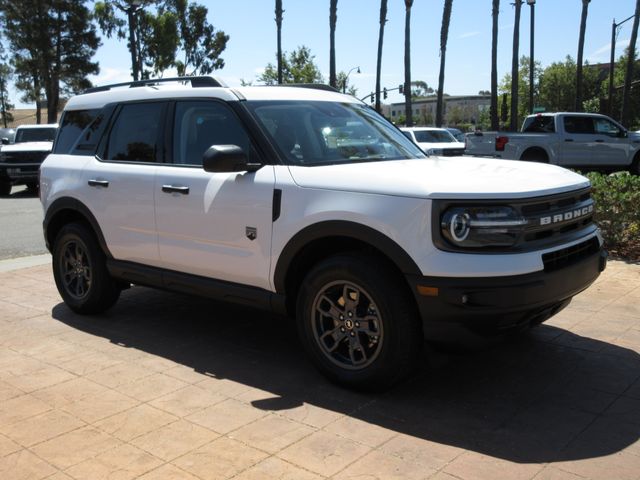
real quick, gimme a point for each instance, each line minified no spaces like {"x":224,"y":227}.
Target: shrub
{"x":617,"y":199}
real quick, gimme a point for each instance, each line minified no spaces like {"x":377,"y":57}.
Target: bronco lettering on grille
{"x":566,"y":216}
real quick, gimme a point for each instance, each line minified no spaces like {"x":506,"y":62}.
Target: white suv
{"x":307,"y":202}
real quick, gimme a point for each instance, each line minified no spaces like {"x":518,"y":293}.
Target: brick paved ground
{"x":169,"y":387}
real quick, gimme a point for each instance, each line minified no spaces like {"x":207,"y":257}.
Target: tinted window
{"x":434,"y":136}
{"x":44,"y":134}
{"x":539,"y":124}
{"x":134,"y":135}
{"x":200,"y":124}
{"x":578,"y":125}
{"x":606,"y":127}
{"x":71,"y":126}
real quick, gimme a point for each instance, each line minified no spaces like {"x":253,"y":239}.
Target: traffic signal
{"x":401,"y":89}
{"x":384,"y":93}
{"x":372,"y":97}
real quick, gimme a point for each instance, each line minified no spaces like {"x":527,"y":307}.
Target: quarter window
{"x":201,"y":124}
{"x":134,"y":136}
{"x":73,"y":124}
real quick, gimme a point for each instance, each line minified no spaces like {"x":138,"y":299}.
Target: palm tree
{"x":583,"y":27}
{"x":513,"y":124}
{"x":494,"y":66}
{"x":333,"y":17}
{"x":630,"y":61}
{"x":407,"y":63}
{"x":279,"y":13}
{"x":444,"y":34}
{"x":383,"y":20}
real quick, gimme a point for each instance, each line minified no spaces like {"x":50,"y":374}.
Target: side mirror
{"x":227,"y":158}
{"x":623,"y":134}
{"x":5,"y":141}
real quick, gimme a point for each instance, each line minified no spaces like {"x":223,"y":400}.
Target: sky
{"x":252,"y":44}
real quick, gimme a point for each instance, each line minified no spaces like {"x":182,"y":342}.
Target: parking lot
{"x":167,"y":386}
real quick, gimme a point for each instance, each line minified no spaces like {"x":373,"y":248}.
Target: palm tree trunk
{"x":383,"y":20}
{"x":333,"y":17}
{"x":583,"y":27}
{"x":513,"y":123}
{"x":624,"y":113}
{"x":444,"y":34}
{"x":407,"y":64}
{"x":279,"y":13}
{"x":494,"y":66}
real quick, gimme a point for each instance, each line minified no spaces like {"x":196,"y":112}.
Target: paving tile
{"x":59,"y":476}
{"x":311,"y":415}
{"x":226,"y":416}
{"x":24,"y":465}
{"x":223,"y":386}
{"x":89,"y":362}
{"x":187,"y":400}
{"x":168,"y":472}
{"x":273,"y":468}
{"x":151,"y":387}
{"x":186,"y":374}
{"x":378,"y":465}
{"x":42,"y":427}
{"x":135,"y":422}
{"x":419,"y":451}
{"x":69,"y":392}
{"x":96,"y":407}
{"x":8,"y":392}
{"x":324,"y":453}
{"x":220,"y":459}
{"x":174,"y":440}
{"x":360,"y":431}
{"x":125,"y":462}
{"x":554,"y":473}
{"x":472,"y":466}
{"x":74,"y":447}
{"x":19,"y":408}
{"x":119,"y":375}
{"x":621,"y":466}
{"x":272,"y":433}
{"x":7,"y":446}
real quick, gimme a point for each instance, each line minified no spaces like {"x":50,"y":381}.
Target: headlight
{"x":477,"y":227}
{"x":435,"y":151}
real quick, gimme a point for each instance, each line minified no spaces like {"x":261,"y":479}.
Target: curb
{"x":24,"y":262}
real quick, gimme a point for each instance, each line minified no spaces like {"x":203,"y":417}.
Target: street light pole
{"x":614,"y":35}
{"x":532,"y":4}
{"x":344,"y":82}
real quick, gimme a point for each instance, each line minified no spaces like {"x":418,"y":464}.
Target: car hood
{"x":438,"y":177}
{"x":28,"y":146}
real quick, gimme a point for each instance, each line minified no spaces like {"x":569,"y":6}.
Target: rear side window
{"x":578,"y":125}
{"x":72,"y":125}
{"x":135,"y":132}
{"x":539,"y":124}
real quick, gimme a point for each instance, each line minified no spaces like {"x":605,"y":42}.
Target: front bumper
{"x":19,"y":172}
{"x":456,"y":309}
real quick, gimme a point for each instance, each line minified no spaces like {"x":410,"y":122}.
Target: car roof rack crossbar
{"x":196,"y":82}
{"x":314,"y":86}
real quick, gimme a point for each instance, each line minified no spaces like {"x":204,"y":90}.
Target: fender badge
{"x":252,"y":233}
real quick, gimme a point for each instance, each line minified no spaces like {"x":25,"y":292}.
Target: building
{"x":464,"y":109}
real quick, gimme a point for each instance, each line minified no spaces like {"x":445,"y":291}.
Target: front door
{"x":216,"y":225}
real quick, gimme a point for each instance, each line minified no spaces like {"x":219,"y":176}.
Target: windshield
{"x":35,"y":135}
{"x":433,"y":136}
{"x":321,"y":133}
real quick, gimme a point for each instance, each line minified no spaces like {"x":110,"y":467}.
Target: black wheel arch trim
{"x":341,"y":228}
{"x":75,"y":205}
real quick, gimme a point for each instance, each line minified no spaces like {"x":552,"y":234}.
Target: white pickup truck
{"x":585,"y":141}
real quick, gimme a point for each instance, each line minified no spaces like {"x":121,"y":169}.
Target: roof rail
{"x":196,"y":82}
{"x":314,"y":86}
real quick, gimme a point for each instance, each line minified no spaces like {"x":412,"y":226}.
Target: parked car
{"x":20,"y":162}
{"x":586,"y":141}
{"x":7,"y":135}
{"x":457,"y":133}
{"x":308,"y":203}
{"x":434,"y":141}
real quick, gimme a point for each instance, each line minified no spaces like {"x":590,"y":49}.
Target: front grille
{"x":570,"y":255}
{"x":24,"y":157}
{"x":452,"y":152}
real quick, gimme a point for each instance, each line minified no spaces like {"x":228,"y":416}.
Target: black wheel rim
{"x":347,"y":325}
{"x":75,"y":269}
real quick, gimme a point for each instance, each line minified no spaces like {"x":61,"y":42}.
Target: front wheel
{"x":80,"y":271}
{"x":5,"y":188}
{"x":358,"y":323}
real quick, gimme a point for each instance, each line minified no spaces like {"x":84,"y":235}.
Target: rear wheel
{"x":535,"y":155}
{"x":357,"y":322}
{"x":635,"y":166}
{"x":5,"y":188}
{"x":80,"y":271}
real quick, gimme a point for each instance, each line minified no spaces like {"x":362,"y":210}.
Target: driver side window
{"x":605,"y":127}
{"x":200,"y":124}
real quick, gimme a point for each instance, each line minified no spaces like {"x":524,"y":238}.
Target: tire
{"x":5,"y":188}
{"x":535,"y":156}
{"x":80,"y":271}
{"x":368,"y":341}
{"x":635,"y":166}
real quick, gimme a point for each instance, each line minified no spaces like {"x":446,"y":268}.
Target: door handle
{"x":568,"y":139}
{"x":175,"y":189}
{"x":599,"y":141}
{"x":98,"y":183}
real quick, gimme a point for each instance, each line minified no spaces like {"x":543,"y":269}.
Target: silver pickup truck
{"x":586,"y":141}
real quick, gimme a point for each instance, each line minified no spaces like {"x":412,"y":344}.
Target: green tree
{"x":279,"y":12}
{"x":632,"y":107}
{"x":383,"y":21}
{"x":558,"y":85}
{"x":56,"y":39}
{"x":5,"y":75}
{"x":407,"y":63}
{"x":444,"y":36}
{"x":583,"y":27}
{"x":297,"y":67}
{"x":333,"y":18}
{"x":494,"y":64}
{"x":343,"y":84}
{"x":625,"y":117}
{"x":505,"y":88}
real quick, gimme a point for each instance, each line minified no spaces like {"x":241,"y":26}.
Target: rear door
{"x":216,"y":225}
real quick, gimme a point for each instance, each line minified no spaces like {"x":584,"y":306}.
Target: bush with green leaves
{"x":617,"y":199}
